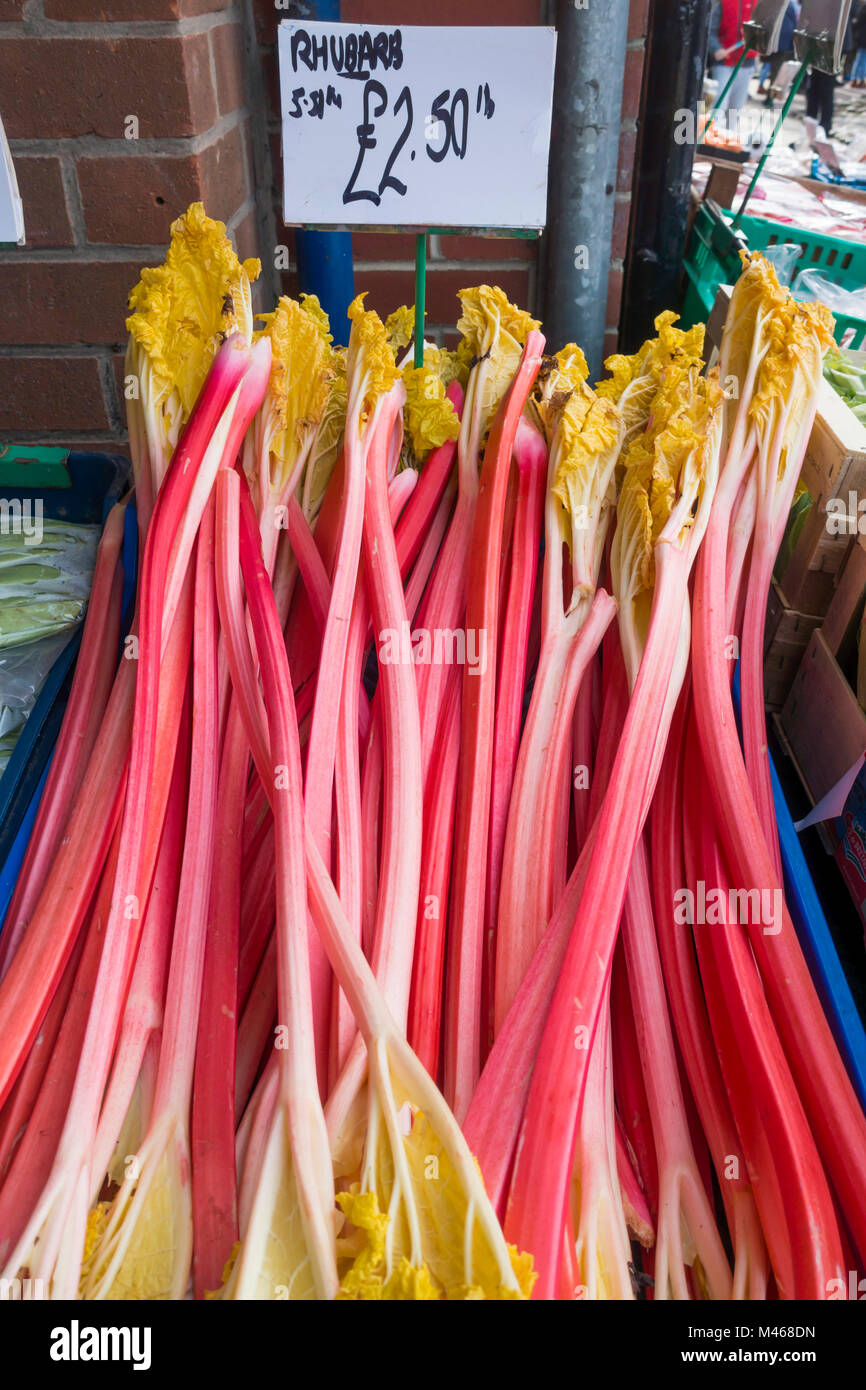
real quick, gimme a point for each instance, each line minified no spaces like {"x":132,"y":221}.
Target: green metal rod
{"x":795,"y":86}
{"x":724,"y":92}
{"x":420,"y":295}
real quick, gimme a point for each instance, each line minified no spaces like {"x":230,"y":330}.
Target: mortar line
{"x":106,"y":146}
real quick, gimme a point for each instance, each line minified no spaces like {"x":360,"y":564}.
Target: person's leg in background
{"x":819,"y":98}
{"x":828,"y":93}
{"x":858,"y":72}
{"x":737,"y":94}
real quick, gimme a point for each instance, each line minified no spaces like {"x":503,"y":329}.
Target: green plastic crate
{"x":712,"y":259}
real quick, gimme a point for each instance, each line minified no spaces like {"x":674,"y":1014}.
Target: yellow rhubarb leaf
{"x":182,"y":310}
{"x":429,"y":416}
{"x":302,"y":370}
{"x":400,"y":327}
{"x":493,"y":335}
{"x":370,"y":367}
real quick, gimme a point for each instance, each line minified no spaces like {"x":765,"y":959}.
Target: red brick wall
{"x":200,"y":76}
{"x":97,"y":205}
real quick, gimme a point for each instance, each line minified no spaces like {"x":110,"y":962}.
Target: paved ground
{"x":849,"y":126}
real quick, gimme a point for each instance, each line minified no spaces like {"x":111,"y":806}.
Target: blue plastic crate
{"x":81,"y":488}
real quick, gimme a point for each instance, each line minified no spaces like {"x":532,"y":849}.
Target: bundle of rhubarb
{"x":416,"y":771}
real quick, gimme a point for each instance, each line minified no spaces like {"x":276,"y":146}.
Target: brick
{"x":488,"y":248}
{"x":59,"y":88}
{"x":383,"y":246}
{"x":390,"y":12}
{"x":389,"y":289}
{"x":619,"y":239}
{"x":90,"y":11}
{"x":84,"y":11}
{"x":614,"y":296}
{"x":47,"y":302}
{"x":625,"y":165}
{"x":632,"y":83}
{"x":638,"y":19}
{"x":11,"y":11}
{"x":147,"y":193}
{"x":191,"y":9}
{"x":51,"y":393}
{"x":227,"y":45}
{"x":226,"y":172}
{"x":40,"y":183}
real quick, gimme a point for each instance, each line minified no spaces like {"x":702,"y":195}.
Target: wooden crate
{"x":786,"y":636}
{"x":823,"y":724}
{"x":834,"y":469}
{"x":821,"y":720}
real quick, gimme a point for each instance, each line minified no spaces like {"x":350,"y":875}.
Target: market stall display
{"x":366,"y":803}
{"x":433,"y":670}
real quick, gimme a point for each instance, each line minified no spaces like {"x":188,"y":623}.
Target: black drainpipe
{"x":673,"y":77}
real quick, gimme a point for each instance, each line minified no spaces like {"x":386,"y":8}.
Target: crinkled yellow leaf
{"x":371,"y":368}
{"x":666,"y":463}
{"x":636,"y":379}
{"x":493,"y":334}
{"x":326,"y":445}
{"x":313,"y":309}
{"x":584,"y":434}
{"x":400,"y":327}
{"x":447,"y":364}
{"x":182,"y":310}
{"x":366,"y":1278}
{"x":302,"y":369}
{"x":797,"y":337}
{"x":756,"y":295}
{"x":487,"y":314}
{"x":429,"y":416}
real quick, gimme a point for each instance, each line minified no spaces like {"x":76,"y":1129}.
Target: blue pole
{"x":325,"y":258}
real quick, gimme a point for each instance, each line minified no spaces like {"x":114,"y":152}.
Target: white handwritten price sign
{"x":417,"y":126}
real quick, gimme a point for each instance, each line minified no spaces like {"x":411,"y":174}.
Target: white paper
{"x":415,"y":126}
{"x":11,"y":207}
